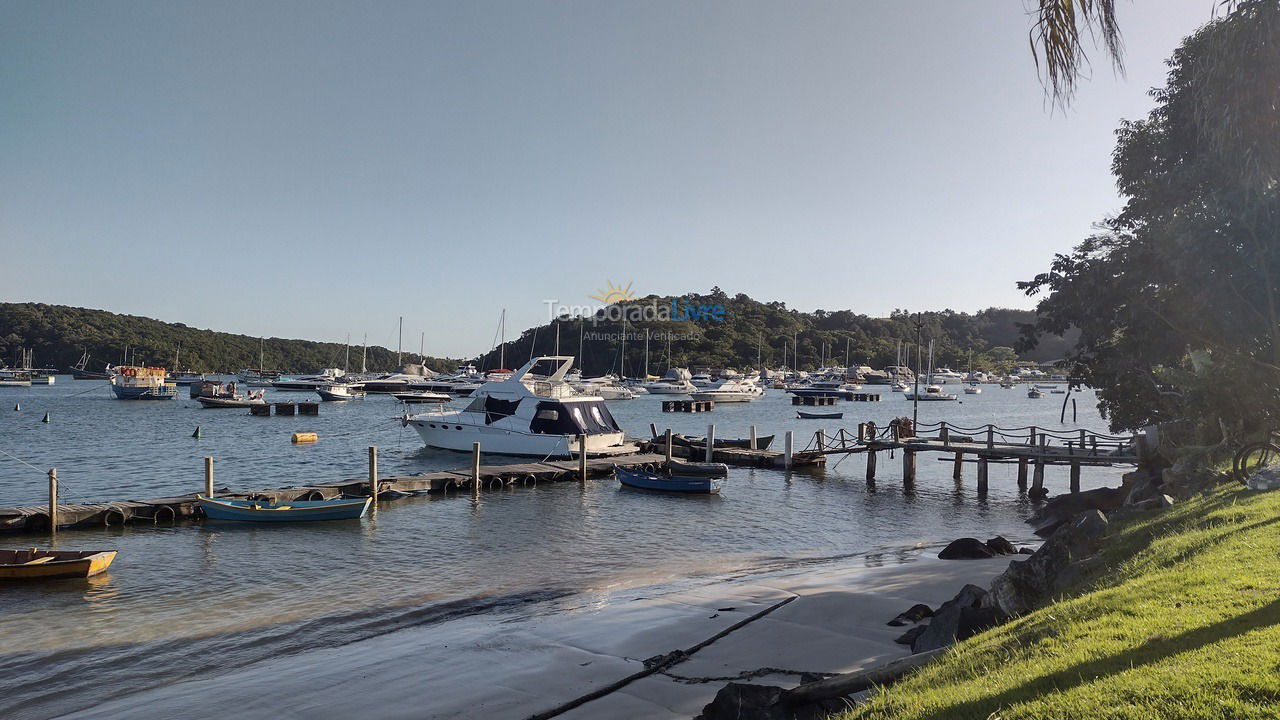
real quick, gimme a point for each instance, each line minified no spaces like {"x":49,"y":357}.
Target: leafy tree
{"x":1176,"y":297}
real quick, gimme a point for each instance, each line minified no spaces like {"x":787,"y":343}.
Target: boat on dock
{"x":295,"y":511}
{"x":804,"y":415}
{"x":642,"y":480}
{"x":36,"y":564}
{"x":762,"y":443}
{"x":134,"y":382}
{"x":528,"y":415}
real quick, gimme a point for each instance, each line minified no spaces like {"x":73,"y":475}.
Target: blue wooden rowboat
{"x":296,"y":511}
{"x":664,"y":483}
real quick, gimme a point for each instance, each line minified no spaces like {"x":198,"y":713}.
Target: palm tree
{"x":1057,"y":41}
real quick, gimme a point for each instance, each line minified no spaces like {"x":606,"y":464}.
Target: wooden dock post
{"x":871,"y":466}
{"x":944,"y":434}
{"x":1032,"y":442}
{"x":668,"y":446}
{"x":653,"y":430}
{"x":982,"y":475}
{"x":373,"y":476}
{"x":788,"y":448}
{"x":582,"y":458}
{"x":1075,"y":476}
{"x":208,"y":476}
{"x":957,"y":467}
{"x":822,"y":440}
{"x":711,"y":442}
{"x":1037,"y":480}
{"x":53,"y":501}
{"x":1022,"y":473}
{"x":908,"y":467}
{"x":475,"y":468}
{"x":753,"y":438}
{"x":991,"y":437}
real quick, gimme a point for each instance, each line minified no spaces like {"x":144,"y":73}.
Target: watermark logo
{"x":619,"y":303}
{"x":613,"y":294}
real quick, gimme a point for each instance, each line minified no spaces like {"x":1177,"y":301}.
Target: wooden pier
{"x":473,"y":479}
{"x":814,"y":400}
{"x":688,"y":406}
{"x":1031,"y":448}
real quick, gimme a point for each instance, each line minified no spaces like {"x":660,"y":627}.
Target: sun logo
{"x":614,"y":294}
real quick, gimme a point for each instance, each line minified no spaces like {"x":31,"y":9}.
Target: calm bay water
{"x":194,"y":597}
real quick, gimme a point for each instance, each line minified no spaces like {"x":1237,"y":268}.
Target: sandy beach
{"x":513,"y":665}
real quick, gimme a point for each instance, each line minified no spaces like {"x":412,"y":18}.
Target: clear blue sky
{"x":314,"y":169}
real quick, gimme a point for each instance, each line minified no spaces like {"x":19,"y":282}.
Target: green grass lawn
{"x":1182,"y":620}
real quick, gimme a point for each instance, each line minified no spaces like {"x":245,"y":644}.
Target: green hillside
{"x":58,"y":334}
{"x":750,"y":326}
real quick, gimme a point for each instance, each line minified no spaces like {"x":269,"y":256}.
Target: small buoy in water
{"x":305,"y":437}
{"x":197,"y":434}
{"x":17,"y":407}
{"x":46,"y":418}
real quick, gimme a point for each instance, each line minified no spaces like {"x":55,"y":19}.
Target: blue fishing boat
{"x":296,"y":511}
{"x":132,"y":382}
{"x":667,"y":483}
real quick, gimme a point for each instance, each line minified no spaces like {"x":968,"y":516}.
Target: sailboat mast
{"x":364,"y":351}
{"x":502,"y":342}
{"x":557,"y":337}
{"x":422,"y":348}
{"x":622,"y":354}
{"x":582,"y":363}
{"x":346,"y":356}
{"x":646,"y":353}
{"x":399,"y":341}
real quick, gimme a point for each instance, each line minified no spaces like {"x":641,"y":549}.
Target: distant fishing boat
{"x":805,"y":415}
{"x":13,"y":378}
{"x":36,"y":564}
{"x":296,"y":511}
{"x":133,"y":382}
{"x":1035,"y":393}
{"x":79,"y":371}
{"x":667,"y":483}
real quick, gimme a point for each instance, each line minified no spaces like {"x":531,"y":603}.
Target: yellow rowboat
{"x":36,"y":564}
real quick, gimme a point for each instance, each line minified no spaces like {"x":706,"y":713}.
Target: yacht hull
{"x":444,"y":434}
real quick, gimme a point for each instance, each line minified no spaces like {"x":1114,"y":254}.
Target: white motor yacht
{"x":310,"y":383}
{"x":730,"y":391}
{"x":930,"y":392}
{"x":528,"y":415}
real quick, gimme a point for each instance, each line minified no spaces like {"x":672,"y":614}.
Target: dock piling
{"x":944,"y":434}
{"x":908,"y":467}
{"x":582,"y":458}
{"x":753,"y":438}
{"x":1022,"y":473}
{"x":711,"y":442}
{"x":788,"y":449}
{"x":1037,"y":481}
{"x":991,"y":436}
{"x":871,"y":467}
{"x":957,"y":467}
{"x":53,"y":501}
{"x":982,"y":476}
{"x":475,"y":468}
{"x":208,"y":476}
{"x":667,"y":443}
{"x":822,"y":440}
{"x":373,"y":476}
{"x":1075,"y":476}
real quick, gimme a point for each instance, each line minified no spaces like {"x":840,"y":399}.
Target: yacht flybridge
{"x":526,"y":414}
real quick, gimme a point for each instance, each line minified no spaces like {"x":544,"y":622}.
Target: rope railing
{"x":1091,"y":443}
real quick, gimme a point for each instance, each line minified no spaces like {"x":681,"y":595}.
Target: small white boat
{"x":1035,"y":393}
{"x":729,"y":391}
{"x":972,"y":390}
{"x":930,"y":393}
{"x":421,"y":397}
{"x":341,"y":391}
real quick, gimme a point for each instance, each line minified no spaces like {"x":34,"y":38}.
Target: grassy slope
{"x":1181,"y":621}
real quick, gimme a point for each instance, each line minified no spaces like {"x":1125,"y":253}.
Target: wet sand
{"x":512,"y":665}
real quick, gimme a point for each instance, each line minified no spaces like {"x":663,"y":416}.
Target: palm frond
{"x":1057,"y":41}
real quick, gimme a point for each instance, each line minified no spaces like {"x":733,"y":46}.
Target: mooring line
{"x":655,"y":664}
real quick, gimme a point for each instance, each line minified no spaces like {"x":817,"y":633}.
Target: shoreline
{"x":512,"y":665}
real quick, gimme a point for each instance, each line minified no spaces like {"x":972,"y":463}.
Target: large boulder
{"x":1028,"y":583}
{"x":1062,"y":508}
{"x":909,"y":637}
{"x":966,"y":549}
{"x":1000,"y":545}
{"x":960,"y":617}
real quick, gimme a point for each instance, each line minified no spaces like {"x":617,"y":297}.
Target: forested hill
{"x":746,"y":324}
{"x":58,"y":334}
